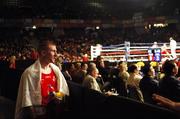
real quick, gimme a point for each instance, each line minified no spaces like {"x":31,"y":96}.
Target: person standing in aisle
{"x":38,"y":82}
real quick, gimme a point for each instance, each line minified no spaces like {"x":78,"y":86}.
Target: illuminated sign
{"x":154,"y":54}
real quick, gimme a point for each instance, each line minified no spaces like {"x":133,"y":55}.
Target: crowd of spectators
{"x":74,"y":43}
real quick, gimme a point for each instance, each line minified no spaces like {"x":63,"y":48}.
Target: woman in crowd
{"x":133,"y":83}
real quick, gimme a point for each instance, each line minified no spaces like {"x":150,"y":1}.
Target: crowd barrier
{"x":9,"y":83}
{"x":6,"y":108}
{"x":92,"y":104}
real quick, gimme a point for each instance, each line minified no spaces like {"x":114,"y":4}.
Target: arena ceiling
{"x":87,"y":9}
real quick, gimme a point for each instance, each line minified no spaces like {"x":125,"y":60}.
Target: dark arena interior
{"x":104,"y":32}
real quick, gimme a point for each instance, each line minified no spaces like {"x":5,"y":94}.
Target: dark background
{"x":87,"y":9}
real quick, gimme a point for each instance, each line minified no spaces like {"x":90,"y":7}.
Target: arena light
{"x":95,"y":4}
{"x":149,"y":26}
{"x":97,"y":27}
{"x":34,"y":27}
{"x":160,"y":25}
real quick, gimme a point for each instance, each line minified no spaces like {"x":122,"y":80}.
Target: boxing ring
{"x":133,"y":52}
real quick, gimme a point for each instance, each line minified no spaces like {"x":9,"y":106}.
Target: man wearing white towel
{"x":38,"y":81}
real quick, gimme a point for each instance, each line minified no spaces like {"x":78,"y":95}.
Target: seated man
{"x":90,"y":80}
